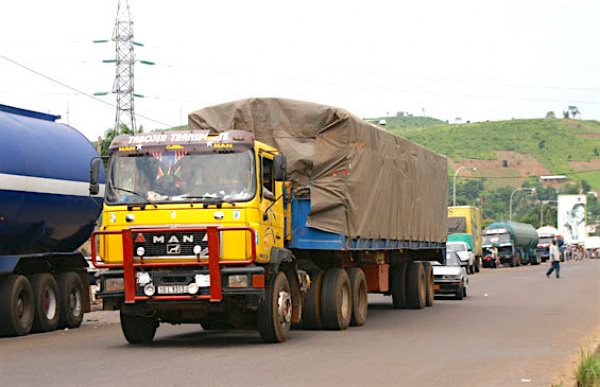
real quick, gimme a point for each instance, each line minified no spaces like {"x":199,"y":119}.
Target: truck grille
{"x":170,"y":244}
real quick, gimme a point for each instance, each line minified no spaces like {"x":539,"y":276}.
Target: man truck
{"x":516,"y":242}
{"x":46,"y":213}
{"x":264,"y":213}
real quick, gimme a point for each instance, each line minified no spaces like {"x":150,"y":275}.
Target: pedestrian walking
{"x":554,"y":260}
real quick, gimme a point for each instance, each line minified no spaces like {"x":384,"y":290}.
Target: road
{"x":516,"y":327}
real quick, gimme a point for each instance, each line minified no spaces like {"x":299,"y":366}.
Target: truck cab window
{"x":266,"y":178}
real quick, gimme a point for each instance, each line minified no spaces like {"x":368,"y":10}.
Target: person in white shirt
{"x":554,"y":259}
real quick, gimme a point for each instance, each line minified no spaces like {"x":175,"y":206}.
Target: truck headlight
{"x":149,"y":290}
{"x":140,"y":251}
{"x":114,"y":285}
{"x":193,"y":288}
{"x":238,"y":281}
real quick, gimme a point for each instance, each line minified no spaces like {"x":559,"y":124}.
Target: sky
{"x":461,"y":60}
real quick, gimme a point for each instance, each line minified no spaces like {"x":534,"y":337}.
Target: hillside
{"x":512,"y":150}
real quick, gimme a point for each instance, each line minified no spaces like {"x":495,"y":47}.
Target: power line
{"x":76,"y":90}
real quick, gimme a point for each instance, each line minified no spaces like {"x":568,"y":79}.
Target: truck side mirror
{"x":280,"y":168}
{"x":95,"y":164}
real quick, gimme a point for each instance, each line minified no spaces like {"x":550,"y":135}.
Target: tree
{"x":550,"y":115}
{"x":110,"y":134}
{"x":574,"y":111}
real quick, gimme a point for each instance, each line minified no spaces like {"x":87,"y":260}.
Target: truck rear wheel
{"x":336,"y":300}
{"x":17,"y":304}
{"x":71,"y":299}
{"x":360,"y":298}
{"x":137,"y":329}
{"x":430,"y":299}
{"x":275,"y":312}
{"x":398,"y":285}
{"x":416,"y":290}
{"x":47,"y":311}
{"x":311,"y":312}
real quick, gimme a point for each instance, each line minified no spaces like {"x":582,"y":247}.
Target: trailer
{"x":268,"y":212}
{"x":46,"y":213}
{"x":516,"y":242}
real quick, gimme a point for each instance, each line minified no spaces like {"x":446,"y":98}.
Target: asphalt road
{"x":515,"y":328}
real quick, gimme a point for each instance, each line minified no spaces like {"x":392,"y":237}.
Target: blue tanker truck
{"x":516,"y":243}
{"x":46,"y":214}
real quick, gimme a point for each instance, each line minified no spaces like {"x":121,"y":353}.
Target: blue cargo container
{"x":46,"y":213}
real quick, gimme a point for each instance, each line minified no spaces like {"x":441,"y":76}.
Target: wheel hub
{"x":284,"y":307}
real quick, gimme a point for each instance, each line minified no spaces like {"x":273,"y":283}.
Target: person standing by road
{"x":554,"y":259}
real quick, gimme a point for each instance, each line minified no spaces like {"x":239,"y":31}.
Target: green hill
{"x":560,"y":146}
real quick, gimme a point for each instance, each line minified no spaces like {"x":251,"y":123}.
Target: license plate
{"x":172,"y":289}
{"x":203,"y":280}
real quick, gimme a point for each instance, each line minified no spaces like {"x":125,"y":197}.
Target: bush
{"x":588,"y":372}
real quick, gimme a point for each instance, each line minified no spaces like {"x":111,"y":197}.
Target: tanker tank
{"x":46,"y":213}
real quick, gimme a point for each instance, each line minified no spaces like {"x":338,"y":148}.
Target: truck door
{"x":271,"y":221}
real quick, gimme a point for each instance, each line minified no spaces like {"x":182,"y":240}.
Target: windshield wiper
{"x":136,"y":194}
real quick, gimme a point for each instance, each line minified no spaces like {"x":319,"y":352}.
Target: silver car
{"x":450,"y":278}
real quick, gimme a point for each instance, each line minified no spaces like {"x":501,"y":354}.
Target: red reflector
{"x":258,"y":281}
{"x":140,"y":239}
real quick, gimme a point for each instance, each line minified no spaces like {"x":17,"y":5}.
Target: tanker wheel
{"x":311,"y":311}
{"x":71,"y":299}
{"x":360,"y":298}
{"x":398,"y":285}
{"x":430,"y":298}
{"x":416,"y":289}
{"x":336,"y":300}
{"x":47,"y":311}
{"x":17,"y":304}
{"x":137,"y":329}
{"x":275,"y":312}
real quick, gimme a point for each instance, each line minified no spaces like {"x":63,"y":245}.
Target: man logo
{"x":173,"y":249}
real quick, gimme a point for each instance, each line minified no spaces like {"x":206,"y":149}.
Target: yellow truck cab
{"x":166,"y":193}
{"x":467,"y":220}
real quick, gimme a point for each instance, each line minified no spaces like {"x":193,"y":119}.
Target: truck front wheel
{"x":336,"y":300}
{"x":137,"y":329}
{"x":17,"y":305}
{"x":275,"y":312}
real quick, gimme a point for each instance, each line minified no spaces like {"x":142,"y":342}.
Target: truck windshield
{"x":168,"y":176}
{"x":457,"y":224}
{"x":495,"y":238}
{"x":456,"y":247}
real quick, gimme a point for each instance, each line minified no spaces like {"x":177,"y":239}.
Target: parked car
{"x":450,"y":278}
{"x":465,"y":253}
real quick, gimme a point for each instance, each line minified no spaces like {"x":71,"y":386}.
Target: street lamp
{"x":542,"y":211}
{"x":454,"y":184}
{"x":532,"y":190}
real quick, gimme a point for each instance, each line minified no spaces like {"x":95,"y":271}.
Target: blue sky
{"x":473,"y":60}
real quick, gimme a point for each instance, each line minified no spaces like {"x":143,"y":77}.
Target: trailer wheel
{"x":47,"y":306}
{"x":360,"y":298}
{"x":71,"y":299}
{"x":398,"y":285}
{"x":416,"y":290}
{"x":336,"y":300}
{"x":430,"y":290}
{"x":17,"y":305}
{"x":275,"y":312}
{"x":311,"y":312}
{"x":137,"y":329}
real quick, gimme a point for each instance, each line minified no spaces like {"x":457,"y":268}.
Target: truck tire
{"x":17,"y":304}
{"x":336,"y":300}
{"x":398,"y":285}
{"x":360,"y":298}
{"x":71,"y":299}
{"x":416,"y":289}
{"x":275,"y":312}
{"x":311,"y":312}
{"x":137,"y":329}
{"x":430,"y":299}
{"x":47,"y":306}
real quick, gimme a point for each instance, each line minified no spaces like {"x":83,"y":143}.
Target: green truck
{"x":516,"y":242}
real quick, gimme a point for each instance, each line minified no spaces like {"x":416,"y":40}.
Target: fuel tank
{"x":45,"y":204}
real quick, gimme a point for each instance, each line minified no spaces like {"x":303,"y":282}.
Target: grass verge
{"x":587,"y":373}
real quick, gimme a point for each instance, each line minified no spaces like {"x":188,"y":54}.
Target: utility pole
{"x":123,"y":85}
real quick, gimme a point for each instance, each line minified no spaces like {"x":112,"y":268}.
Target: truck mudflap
{"x":212,"y":280}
